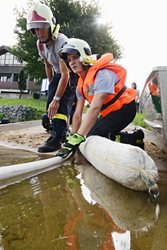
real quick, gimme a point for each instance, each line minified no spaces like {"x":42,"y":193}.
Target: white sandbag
{"x":121,"y":162}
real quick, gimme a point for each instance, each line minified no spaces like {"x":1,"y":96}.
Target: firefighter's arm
{"x":77,"y":117}
{"x":91,"y":116}
{"x":48,"y":70}
{"x":75,"y":139}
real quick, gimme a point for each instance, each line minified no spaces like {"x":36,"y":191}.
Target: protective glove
{"x":72,"y":142}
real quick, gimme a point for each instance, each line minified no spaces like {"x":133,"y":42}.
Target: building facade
{"x":10,"y":68}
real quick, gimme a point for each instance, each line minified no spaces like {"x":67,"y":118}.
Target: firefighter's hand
{"x":71,"y":144}
{"x":52,"y":110}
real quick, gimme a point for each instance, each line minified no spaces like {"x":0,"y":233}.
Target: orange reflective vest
{"x":114,"y":101}
{"x":154,"y":89}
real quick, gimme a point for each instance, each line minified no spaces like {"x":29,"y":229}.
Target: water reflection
{"x":121,"y":203}
{"x":10,"y":156}
{"x":75,"y":207}
{"x":51,"y":207}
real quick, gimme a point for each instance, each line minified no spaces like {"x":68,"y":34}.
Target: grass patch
{"x":139,"y":121}
{"x":40,"y":104}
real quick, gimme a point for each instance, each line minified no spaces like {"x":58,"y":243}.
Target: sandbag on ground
{"x":129,"y":210}
{"x":126,"y":164}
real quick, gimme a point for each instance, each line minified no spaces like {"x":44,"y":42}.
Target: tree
{"x":22,"y":82}
{"x":77,"y":19}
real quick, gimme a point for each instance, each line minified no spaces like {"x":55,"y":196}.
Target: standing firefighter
{"x":102,"y":84}
{"x":61,"y":93}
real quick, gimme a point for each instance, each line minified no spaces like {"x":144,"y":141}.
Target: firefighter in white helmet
{"x":61,"y":92}
{"x":102,"y":83}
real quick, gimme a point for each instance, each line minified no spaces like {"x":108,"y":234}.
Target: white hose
{"x":11,"y":171}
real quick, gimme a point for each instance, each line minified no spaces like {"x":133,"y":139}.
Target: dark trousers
{"x":67,"y":98}
{"x":110,"y":125}
{"x":59,"y":126}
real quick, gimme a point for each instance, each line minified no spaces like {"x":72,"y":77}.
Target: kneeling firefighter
{"x":61,"y":94}
{"x":102,"y":84}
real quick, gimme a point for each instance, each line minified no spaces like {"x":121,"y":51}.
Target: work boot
{"x":58,"y":135}
{"x":50,"y":145}
{"x":135,"y":138}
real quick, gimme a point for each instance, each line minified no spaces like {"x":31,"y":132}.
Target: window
{"x":9,"y":59}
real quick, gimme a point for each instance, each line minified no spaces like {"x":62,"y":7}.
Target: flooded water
{"x":75,"y":207}
{"x":10,"y":156}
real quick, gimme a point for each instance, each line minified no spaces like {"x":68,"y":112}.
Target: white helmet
{"x":41,"y":16}
{"x":79,"y":46}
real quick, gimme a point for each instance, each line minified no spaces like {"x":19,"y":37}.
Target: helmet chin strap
{"x":55,"y":31}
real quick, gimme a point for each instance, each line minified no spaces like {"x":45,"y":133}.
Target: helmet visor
{"x":65,"y":51}
{"x":38,"y":25}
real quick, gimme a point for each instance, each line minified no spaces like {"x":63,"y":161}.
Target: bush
{"x":1,"y":116}
{"x":36,"y":95}
{"x":19,"y":113}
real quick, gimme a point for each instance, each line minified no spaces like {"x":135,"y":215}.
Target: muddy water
{"x":75,"y":207}
{"x":10,"y":156}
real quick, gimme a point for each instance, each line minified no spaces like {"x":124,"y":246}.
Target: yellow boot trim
{"x":61,"y":116}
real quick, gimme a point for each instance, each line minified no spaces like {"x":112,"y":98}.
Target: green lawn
{"x":139,"y":121}
{"x":41,"y":104}
{"x":34,"y":103}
